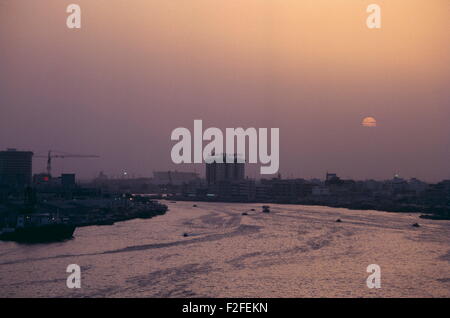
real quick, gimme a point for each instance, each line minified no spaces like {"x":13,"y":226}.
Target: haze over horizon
{"x":136,"y":70}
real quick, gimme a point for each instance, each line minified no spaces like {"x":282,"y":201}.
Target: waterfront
{"x":294,"y":251}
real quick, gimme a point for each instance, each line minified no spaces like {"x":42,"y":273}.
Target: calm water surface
{"x":295,"y":251}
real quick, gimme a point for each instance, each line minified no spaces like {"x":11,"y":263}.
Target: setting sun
{"x":369,"y":122}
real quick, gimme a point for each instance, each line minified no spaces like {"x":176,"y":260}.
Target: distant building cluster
{"x":173,"y":177}
{"x":224,"y":171}
{"x":225,"y":180}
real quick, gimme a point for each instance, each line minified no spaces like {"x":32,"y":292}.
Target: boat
{"x":266,"y":209}
{"x":38,"y":228}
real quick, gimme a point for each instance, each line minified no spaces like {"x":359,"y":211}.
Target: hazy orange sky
{"x":137,"y":69}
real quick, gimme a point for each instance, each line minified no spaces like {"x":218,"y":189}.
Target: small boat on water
{"x":266,"y":209}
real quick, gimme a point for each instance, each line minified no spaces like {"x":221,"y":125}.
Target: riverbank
{"x":428,"y":212}
{"x":105,"y":217}
{"x":44,"y":223}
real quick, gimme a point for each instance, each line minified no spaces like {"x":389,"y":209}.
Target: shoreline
{"x":426,"y":212}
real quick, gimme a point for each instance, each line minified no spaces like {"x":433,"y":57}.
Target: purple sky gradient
{"x":138,"y":69}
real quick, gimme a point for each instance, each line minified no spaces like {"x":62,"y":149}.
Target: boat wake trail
{"x":241,"y":230}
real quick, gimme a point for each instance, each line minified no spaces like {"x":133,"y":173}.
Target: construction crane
{"x":51,"y":156}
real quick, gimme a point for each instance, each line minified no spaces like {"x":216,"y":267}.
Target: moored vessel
{"x":32,"y":228}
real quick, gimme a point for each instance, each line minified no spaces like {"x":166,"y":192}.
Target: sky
{"x":138,"y":69}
